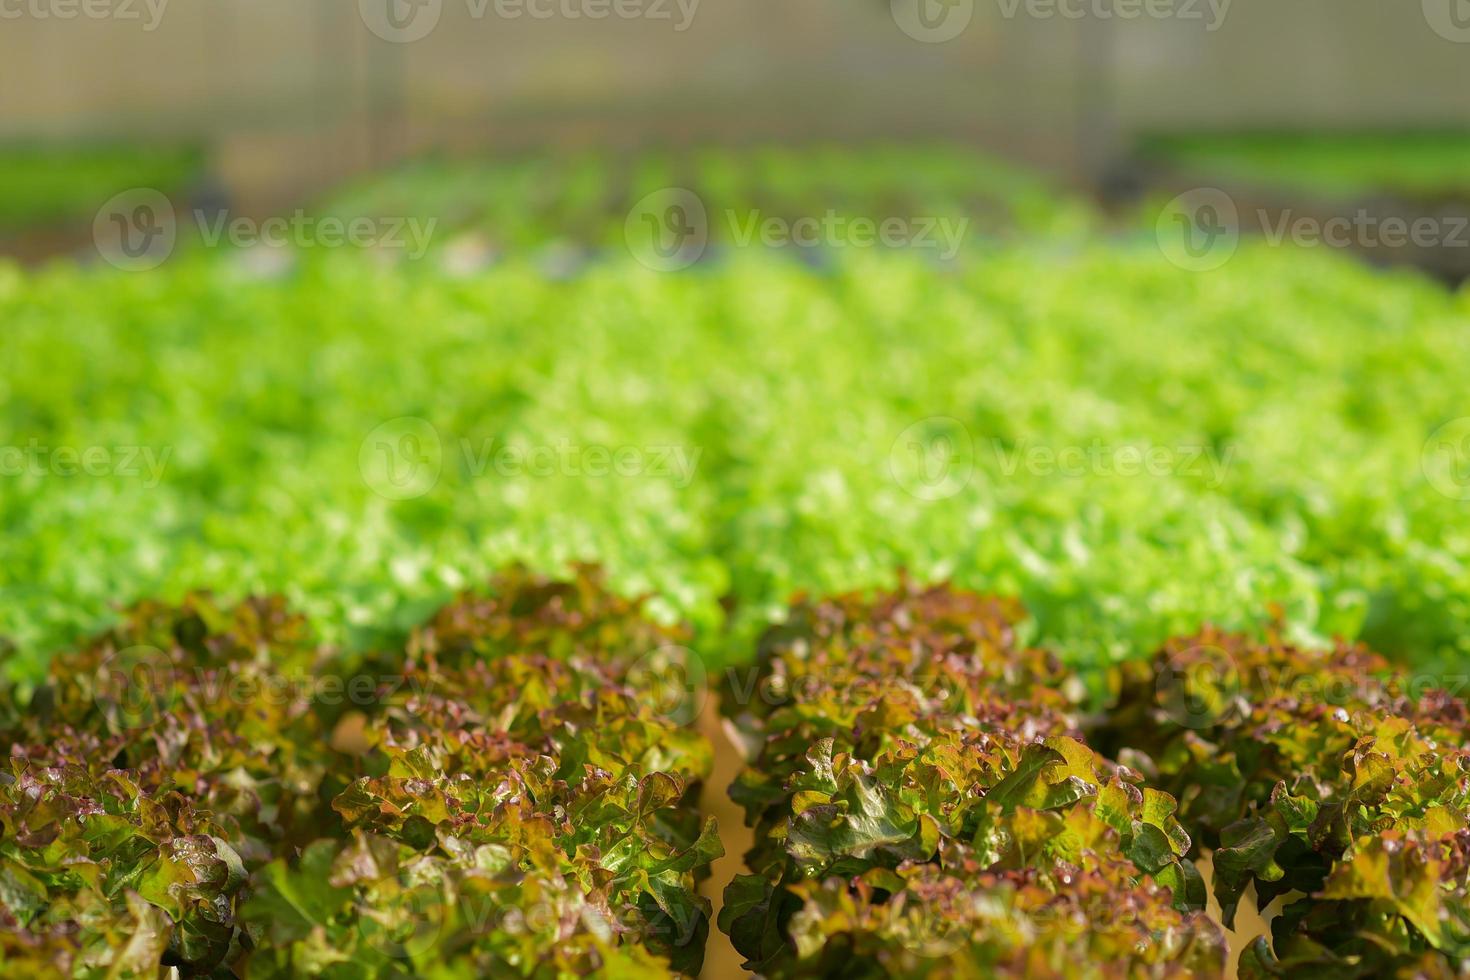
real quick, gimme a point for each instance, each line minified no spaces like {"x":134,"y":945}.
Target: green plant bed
{"x":63,"y":185}
{"x":517,"y":205}
{"x":1323,"y":776}
{"x":1428,"y":166}
{"x":207,"y":789}
{"x":727,"y":436}
{"x":925,"y":803}
{"x":923,"y":806}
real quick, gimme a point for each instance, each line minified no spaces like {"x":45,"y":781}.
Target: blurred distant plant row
{"x":1424,"y":166}
{"x":46,"y":185}
{"x":585,"y":198}
{"x":517,"y":202}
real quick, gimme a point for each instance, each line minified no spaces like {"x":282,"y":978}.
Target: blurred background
{"x":273,"y":101}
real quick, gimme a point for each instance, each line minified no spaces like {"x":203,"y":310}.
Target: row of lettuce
{"x":525,"y":201}
{"x":514,"y":792}
{"x":926,"y":803}
{"x":582,"y":199}
{"x":1076,"y":428}
{"x":209,"y":790}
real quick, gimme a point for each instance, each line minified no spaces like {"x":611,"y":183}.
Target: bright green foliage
{"x":182,"y":793}
{"x":1427,"y":166}
{"x":923,"y":808}
{"x":790,"y":396}
{"x":1310,"y":772}
{"x":583,"y":200}
{"x":49,"y":185}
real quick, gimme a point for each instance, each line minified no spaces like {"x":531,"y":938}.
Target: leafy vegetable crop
{"x":924,"y":806}
{"x":584,"y":200}
{"x":231,"y":411}
{"x":1320,"y":775}
{"x":206,"y":788}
